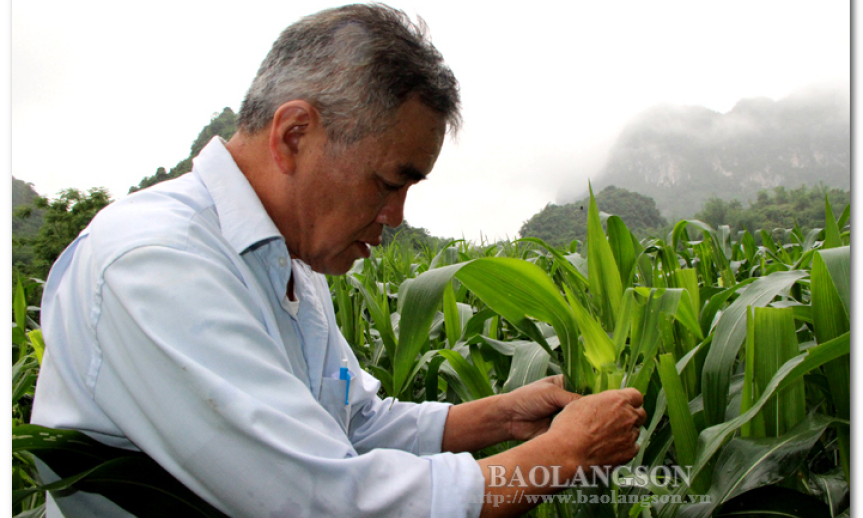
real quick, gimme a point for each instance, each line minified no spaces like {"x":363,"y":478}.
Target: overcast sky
{"x":105,"y":92}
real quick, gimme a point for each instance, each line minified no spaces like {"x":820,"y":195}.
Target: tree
{"x":779,"y":208}
{"x":223,"y":125}
{"x":63,"y":219}
{"x":558,"y":225}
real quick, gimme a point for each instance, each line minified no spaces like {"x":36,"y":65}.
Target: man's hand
{"x":601,"y":429}
{"x":530,"y":408}
{"x":595,"y":430}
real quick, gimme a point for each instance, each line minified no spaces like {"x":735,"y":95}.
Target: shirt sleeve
{"x":190,"y":375}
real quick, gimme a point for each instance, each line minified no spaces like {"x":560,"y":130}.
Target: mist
{"x":104,"y":93}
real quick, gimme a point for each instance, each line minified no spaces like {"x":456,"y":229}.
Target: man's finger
{"x":556,"y":380}
{"x":633,"y":396}
{"x":560,"y":397}
{"x":642,"y":416}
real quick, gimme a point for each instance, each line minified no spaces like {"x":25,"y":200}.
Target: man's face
{"x":351,"y":192}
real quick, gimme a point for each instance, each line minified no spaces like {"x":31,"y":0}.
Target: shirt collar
{"x":242,"y":216}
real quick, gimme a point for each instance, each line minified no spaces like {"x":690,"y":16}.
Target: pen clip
{"x":345,"y":374}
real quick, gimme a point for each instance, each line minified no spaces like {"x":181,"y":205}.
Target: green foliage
{"x":26,"y":220}
{"x":777,"y":209}
{"x":64,"y":218}
{"x":457,"y":322}
{"x":415,"y":237}
{"x":558,"y":225}
{"x":223,"y":125}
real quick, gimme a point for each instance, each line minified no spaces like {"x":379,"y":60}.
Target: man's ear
{"x":293,"y":123}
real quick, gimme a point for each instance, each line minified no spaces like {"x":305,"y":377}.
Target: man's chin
{"x":335,"y":267}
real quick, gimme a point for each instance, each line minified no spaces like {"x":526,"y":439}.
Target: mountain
{"x":26,"y":222}
{"x":558,"y":225}
{"x":683,"y":155}
{"x":223,"y":124}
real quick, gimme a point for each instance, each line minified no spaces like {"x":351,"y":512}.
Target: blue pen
{"x":344,"y":374}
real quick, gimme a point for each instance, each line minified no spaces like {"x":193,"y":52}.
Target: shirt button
{"x":283,"y":261}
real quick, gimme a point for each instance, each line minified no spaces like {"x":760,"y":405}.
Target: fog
{"x":104,"y":93}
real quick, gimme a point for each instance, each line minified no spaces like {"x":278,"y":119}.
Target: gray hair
{"x":356,"y":64}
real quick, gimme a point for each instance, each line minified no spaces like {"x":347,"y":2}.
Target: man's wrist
{"x":505,"y":414}
{"x":478,"y":424}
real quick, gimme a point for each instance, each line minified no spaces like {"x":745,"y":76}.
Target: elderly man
{"x":192,"y":320}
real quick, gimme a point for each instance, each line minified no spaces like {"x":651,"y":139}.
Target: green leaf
{"x":620,"y":241}
{"x":716,"y":301}
{"x":831,"y":229}
{"x":529,"y":364}
{"x":432,"y":378}
{"x":421,"y":300}
{"x":604,"y":279}
{"x":711,"y":439}
{"x":565,"y":262}
{"x":598,"y":347}
{"x":730,"y":332}
{"x":19,"y":307}
{"x":520,"y":291}
{"x":774,"y":342}
{"x":831,"y":292}
{"x":452,"y":321}
{"x":473,"y":379}
{"x":379,"y":310}
{"x":774,"y":502}
{"x":37,"y":343}
{"x":833,"y":266}
{"x":384,"y":377}
{"x":834,"y":490}
{"x":682,"y":424}
{"x":745,"y":464}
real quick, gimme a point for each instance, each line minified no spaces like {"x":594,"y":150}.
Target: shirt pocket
{"x":333,"y":401}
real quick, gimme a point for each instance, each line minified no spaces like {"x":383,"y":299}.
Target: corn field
{"x":739,"y":343}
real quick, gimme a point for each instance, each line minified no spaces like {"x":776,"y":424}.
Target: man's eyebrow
{"x":411,"y":173}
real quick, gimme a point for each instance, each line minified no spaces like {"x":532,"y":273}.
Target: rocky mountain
{"x":683,"y":155}
{"x":23,"y":195}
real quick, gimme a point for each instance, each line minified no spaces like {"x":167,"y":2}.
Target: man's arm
{"x":519,"y":415}
{"x":596,"y":430}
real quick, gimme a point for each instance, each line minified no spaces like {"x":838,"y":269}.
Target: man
{"x":191,"y":320}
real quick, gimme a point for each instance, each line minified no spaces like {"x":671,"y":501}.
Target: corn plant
{"x":740,"y":344}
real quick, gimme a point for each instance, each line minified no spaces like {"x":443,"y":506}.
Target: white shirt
{"x":168,"y":330}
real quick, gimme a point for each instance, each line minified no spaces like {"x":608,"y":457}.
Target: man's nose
{"x":392,"y":213}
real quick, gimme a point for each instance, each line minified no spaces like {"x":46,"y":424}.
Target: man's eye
{"x":392,"y":187}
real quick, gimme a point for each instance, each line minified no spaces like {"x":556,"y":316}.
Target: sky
{"x":105,"y":92}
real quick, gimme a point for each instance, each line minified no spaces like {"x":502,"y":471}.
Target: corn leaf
{"x":473,"y":379}
{"x":831,"y":229}
{"x":620,"y":241}
{"x":745,"y":464}
{"x":730,"y":332}
{"x":605,"y":286}
{"x":529,"y":364}
{"x":774,"y":342}
{"x":452,"y":321}
{"x":421,"y":298}
{"x":682,"y":424}
{"x":379,"y":310}
{"x":19,"y":307}
{"x":831,"y":269}
{"x":711,"y":439}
